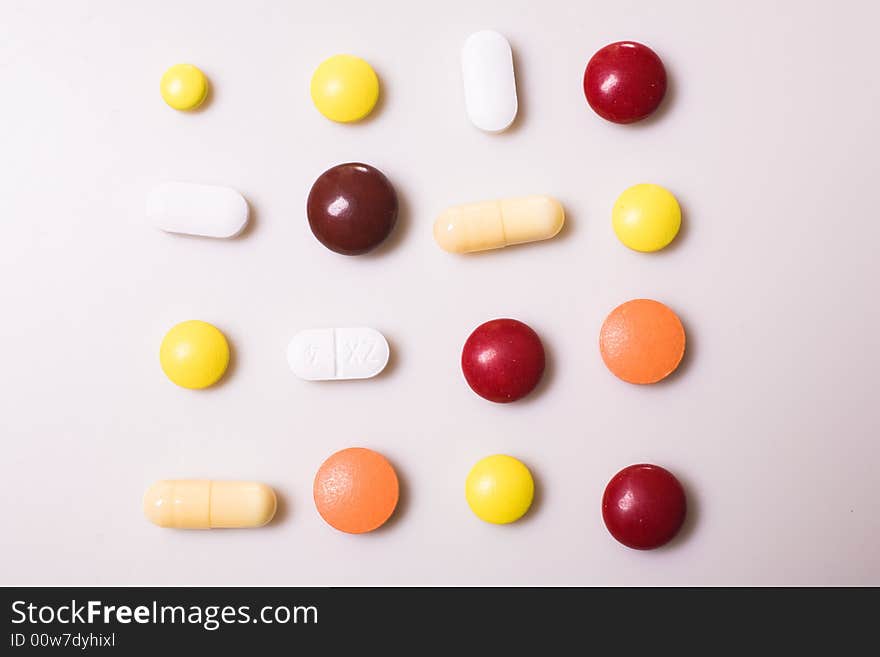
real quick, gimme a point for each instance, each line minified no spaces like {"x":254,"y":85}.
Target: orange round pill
{"x":356,"y":490}
{"x":642,"y":341}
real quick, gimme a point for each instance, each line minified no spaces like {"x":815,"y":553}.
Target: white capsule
{"x":489,"y":82}
{"x":192,"y":209}
{"x":337,"y":353}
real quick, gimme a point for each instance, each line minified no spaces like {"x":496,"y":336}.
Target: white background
{"x":768,"y":138}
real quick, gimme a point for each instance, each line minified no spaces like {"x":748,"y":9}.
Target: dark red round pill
{"x":644,"y":506}
{"x":625,"y":82}
{"x":352,"y":208}
{"x":503,"y":360}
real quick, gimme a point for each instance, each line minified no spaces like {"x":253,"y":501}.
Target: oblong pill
{"x":193,"y":209}
{"x":489,"y":81}
{"x":338,"y":353}
{"x":494,"y":224}
{"x":204,"y":504}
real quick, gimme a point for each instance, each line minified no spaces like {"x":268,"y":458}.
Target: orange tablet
{"x":356,"y":490}
{"x":642,"y":341}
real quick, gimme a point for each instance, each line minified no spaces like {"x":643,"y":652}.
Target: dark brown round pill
{"x":352,"y":208}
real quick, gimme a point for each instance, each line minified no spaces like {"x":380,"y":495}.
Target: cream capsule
{"x":493,"y":224}
{"x":204,"y":504}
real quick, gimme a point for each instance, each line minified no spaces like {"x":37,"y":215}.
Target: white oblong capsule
{"x":489,"y":81}
{"x":193,"y":209}
{"x":205,"y":504}
{"x":338,"y":353}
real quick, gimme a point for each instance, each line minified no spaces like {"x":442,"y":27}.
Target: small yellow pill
{"x":646,"y":217}
{"x":194,"y":354}
{"x":184,"y":87}
{"x":203,"y":504}
{"x":345,"y":88}
{"x":499,"y":489}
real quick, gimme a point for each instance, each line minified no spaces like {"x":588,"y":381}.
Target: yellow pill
{"x":345,"y":88}
{"x":184,"y":87}
{"x":646,"y":217}
{"x":499,"y":489}
{"x":203,"y":504}
{"x":495,"y":224}
{"x":194,"y":354}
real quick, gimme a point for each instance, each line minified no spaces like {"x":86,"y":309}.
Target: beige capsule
{"x":204,"y":504}
{"x":494,"y":224}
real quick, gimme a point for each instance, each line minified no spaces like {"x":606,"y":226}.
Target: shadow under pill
{"x":522,"y":106}
{"x":546,"y":381}
{"x":398,"y":233}
{"x":690,"y":349}
{"x":691,"y":519}
{"x":393,"y":359}
{"x":282,"y":510}
{"x":402,"y":503}
{"x":253,"y":220}
{"x":538,"y":499}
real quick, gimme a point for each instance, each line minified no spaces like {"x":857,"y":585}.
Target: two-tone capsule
{"x":494,"y":224}
{"x":204,"y":504}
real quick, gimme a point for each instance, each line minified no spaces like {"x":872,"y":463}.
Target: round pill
{"x":194,"y":354}
{"x":625,"y":82}
{"x":646,"y":217}
{"x":352,"y":208}
{"x":503,"y":360}
{"x":356,"y":490}
{"x":345,"y":88}
{"x":642,"y":341}
{"x":184,"y":87}
{"x":644,"y":506}
{"x":499,"y":489}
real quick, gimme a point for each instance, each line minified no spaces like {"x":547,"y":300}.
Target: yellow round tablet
{"x":499,"y":489}
{"x":646,"y":217}
{"x":194,"y":354}
{"x":345,"y":88}
{"x":184,"y":87}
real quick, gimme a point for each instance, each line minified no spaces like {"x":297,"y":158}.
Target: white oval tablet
{"x":489,"y":83}
{"x":192,"y":209}
{"x":337,"y":353}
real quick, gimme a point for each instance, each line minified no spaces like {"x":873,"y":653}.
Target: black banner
{"x":130,"y":621}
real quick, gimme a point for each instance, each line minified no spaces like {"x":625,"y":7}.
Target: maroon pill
{"x":625,"y":82}
{"x":644,"y":506}
{"x":503,"y":360}
{"x":352,"y":208}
